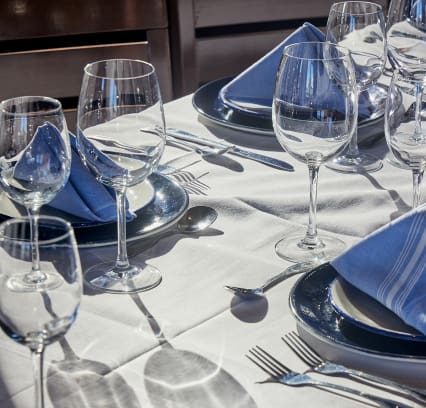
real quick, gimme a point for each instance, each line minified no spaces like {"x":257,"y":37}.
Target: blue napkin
{"x":252,"y":91}
{"x":390,"y":266}
{"x":84,"y":196}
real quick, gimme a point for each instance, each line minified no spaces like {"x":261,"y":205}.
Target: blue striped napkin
{"x":390,"y":266}
{"x":84,"y":196}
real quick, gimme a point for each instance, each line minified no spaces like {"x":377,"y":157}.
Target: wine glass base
{"x":24,"y":284}
{"x":362,"y":163}
{"x":293,"y":249}
{"x":106,"y":277}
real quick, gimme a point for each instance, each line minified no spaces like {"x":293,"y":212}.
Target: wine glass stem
{"x":418,"y":134}
{"x":353,"y":151}
{"x":311,"y":237}
{"x":36,"y":275}
{"x":122,"y":261}
{"x":417,"y":180}
{"x":37,"y":360}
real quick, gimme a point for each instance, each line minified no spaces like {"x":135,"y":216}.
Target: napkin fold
{"x":252,"y":91}
{"x":84,"y":196}
{"x":390,"y":266}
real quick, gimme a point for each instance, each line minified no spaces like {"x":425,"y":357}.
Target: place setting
{"x":334,"y":297}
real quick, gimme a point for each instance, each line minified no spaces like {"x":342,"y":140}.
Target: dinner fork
{"x":317,"y":364}
{"x":279,"y":373}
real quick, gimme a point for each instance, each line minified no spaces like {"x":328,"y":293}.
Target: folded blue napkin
{"x":252,"y":91}
{"x":390,"y":266}
{"x":84,"y":196}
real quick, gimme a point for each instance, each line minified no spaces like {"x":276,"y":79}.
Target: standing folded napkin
{"x":251,"y":92}
{"x":390,"y":266}
{"x":84,"y":196}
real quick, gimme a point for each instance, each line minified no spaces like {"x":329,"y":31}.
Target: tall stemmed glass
{"x":121,"y":137}
{"x":405,"y":122}
{"x":35,"y":162}
{"x":360,"y":27}
{"x":31,"y":315}
{"x":406,"y":32}
{"x":314,"y":115}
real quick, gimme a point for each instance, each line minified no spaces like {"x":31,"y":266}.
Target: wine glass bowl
{"x":406,"y":32}
{"x":121,"y":137}
{"x":35,"y":155}
{"x":38,"y":315}
{"x":405,"y":122}
{"x":314,"y":115}
{"x":360,"y":27}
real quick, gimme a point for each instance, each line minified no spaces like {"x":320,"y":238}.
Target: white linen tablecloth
{"x":182,"y":344}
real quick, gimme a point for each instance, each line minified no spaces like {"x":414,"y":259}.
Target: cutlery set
{"x":280,"y":373}
{"x":187,"y":139}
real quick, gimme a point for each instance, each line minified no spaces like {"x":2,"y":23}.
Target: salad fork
{"x":317,"y":364}
{"x":279,"y":373}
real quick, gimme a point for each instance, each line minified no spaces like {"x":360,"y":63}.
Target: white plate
{"x":369,"y":314}
{"x":137,"y":196}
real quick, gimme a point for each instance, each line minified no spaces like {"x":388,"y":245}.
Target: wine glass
{"x":35,"y":161}
{"x":314,"y":115}
{"x":121,"y":137}
{"x":360,"y":27}
{"x":38,"y":315}
{"x":406,"y":38}
{"x":405,"y":122}
{"x":406,"y":32}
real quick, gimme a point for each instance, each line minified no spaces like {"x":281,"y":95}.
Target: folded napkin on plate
{"x":252,"y":91}
{"x":390,"y":266}
{"x":84,"y":196}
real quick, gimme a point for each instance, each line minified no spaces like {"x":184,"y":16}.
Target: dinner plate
{"x":205,"y":100}
{"x":366,"y":312}
{"x":337,"y":339}
{"x":158,"y":204}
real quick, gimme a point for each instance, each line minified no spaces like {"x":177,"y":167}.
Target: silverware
{"x":232,"y":149}
{"x":203,"y":150}
{"x":256,"y":293}
{"x":317,"y":364}
{"x":279,"y":373}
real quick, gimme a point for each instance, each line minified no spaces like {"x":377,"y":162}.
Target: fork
{"x":317,"y":364}
{"x":256,"y":293}
{"x":279,"y":373}
{"x":188,"y":180}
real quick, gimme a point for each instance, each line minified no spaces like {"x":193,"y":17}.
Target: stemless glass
{"x":121,"y":137}
{"x":37,"y":315}
{"x":406,"y":32}
{"x":405,"y":122}
{"x":360,"y":27}
{"x":35,"y":161}
{"x":314,"y":115}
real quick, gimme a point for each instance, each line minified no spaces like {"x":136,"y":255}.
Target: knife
{"x":270,"y":161}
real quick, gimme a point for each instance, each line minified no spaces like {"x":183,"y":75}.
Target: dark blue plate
{"x":311,"y":305}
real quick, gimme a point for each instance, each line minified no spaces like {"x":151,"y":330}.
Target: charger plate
{"x":158,"y":205}
{"x":205,"y":101}
{"x":338,"y":339}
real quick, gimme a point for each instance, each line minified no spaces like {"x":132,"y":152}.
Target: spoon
{"x":256,"y":293}
{"x":196,"y":219}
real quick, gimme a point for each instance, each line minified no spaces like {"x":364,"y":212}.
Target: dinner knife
{"x":270,"y":161}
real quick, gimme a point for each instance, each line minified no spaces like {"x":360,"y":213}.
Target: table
{"x":182,"y":344}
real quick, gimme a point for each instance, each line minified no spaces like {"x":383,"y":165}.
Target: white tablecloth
{"x":182,"y":344}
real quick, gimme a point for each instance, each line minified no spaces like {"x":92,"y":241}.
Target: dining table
{"x":185,"y":342}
